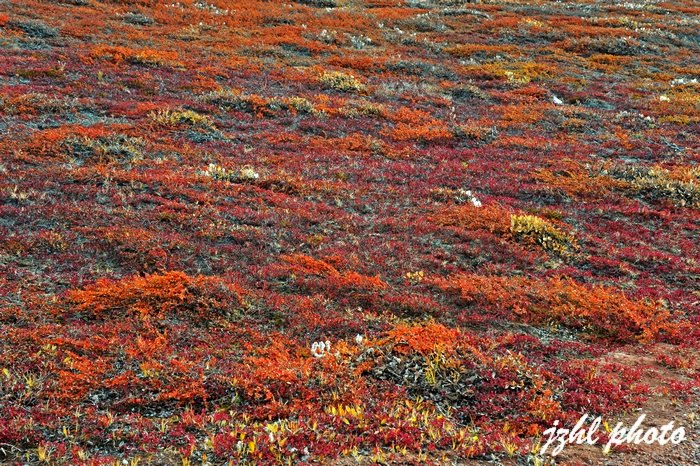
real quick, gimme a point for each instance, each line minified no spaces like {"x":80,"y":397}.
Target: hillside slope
{"x":345,"y":231}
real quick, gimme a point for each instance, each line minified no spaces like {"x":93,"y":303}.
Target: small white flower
{"x":359,"y":339}
{"x":476,"y":202}
{"x":557,"y":100}
{"x":247,"y":173}
{"x":664,"y":98}
{"x":319,"y":348}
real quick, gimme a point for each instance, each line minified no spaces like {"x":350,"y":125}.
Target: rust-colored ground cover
{"x":345,"y":231}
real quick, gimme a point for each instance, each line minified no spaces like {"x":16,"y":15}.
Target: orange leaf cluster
{"x":599,"y":310}
{"x":431,"y":131}
{"x":173,"y":294}
{"x":424,"y":338}
{"x":117,"y":54}
{"x":302,"y":265}
{"x":274,"y":370}
{"x":492,"y":218}
{"x":575,"y":180}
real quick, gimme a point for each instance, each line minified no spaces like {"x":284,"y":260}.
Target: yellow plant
{"x":43,"y":454}
{"x":364,"y":108}
{"x":345,"y":411}
{"x":224,"y":97}
{"x":342,"y":81}
{"x":301,"y":105}
{"x":539,"y":231}
{"x":415,"y":277}
{"x":217,"y":172}
{"x":509,"y":447}
{"x":181,"y":117}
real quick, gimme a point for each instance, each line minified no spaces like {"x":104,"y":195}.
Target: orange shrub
{"x":431,"y":131}
{"x":467,"y":50}
{"x":302,"y":265}
{"x":493,"y":218}
{"x":355,"y":280}
{"x":424,"y":338}
{"x":112,"y":53}
{"x":520,"y":114}
{"x":78,"y":376}
{"x":306,"y":265}
{"x":174,"y":294}
{"x":274,"y":372}
{"x":575,"y":180}
{"x":48,"y":141}
{"x":599,"y":310}
{"x":357,"y":63}
{"x":410,"y":115}
{"x":117,"y":54}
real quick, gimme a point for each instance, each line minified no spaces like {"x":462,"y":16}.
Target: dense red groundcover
{"x":475,"y":204}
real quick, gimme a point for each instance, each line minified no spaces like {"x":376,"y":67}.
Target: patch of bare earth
{"x":660,"y":409}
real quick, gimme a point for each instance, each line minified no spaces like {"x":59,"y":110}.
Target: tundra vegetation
{"x":355,"y":231}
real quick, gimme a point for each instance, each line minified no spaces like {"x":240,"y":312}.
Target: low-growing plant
{"x":111,"y":148}
{"x":602,"y":311}
{"x":681,"y":186}
{"x":539,"y":231}
{"x":340,"y":81}
{"x":364,"y":109}
{"x":169,"y":117}
{"x":229,"y":98}
{"x":173,"y":294}
{"x":197,"y":222}
{"x":301,"y":105}
{"x":244,"y":174}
